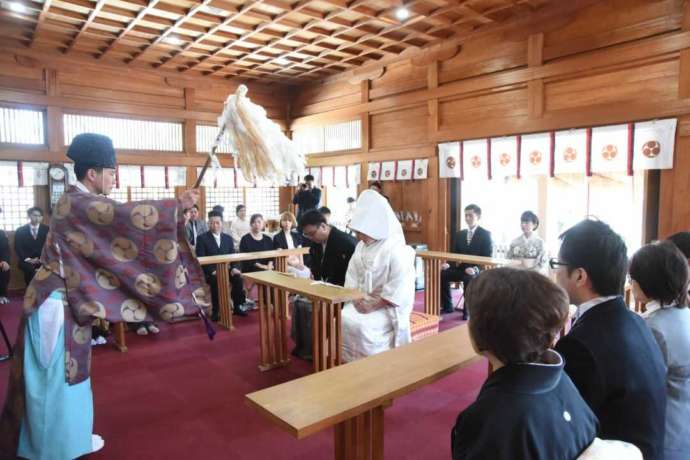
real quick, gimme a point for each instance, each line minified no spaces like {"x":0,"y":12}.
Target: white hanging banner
{"x":474,"y":160}
{"x":154,"y":176}
{"x":354,"y":175}
{"x":374,"y":172}
{"x":535,"y":152}
{"x":130,"y":175}
{"x":610,"y":146}
{"x":404,"y":170}
{"x":504,"y":156}
{"x":388,"y":170}
{"x":327,"y":176}
{"x":449,"y":159}
{"x":177,"y":176}
{"x":71,"y":177}
{"x":654,"y":144}
{"x":420,"y":169}
{"x":570,"y":152}
{"x":8,"y":173}
{"x":340,"y":176}
{"x":35,"y":174}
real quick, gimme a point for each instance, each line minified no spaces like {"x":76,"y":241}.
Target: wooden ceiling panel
{"x":276,"y":40}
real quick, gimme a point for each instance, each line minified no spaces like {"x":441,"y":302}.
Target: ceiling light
{"x":173,"y":41}
{"x":402,"y":13}
{"x":282,"y":61}
{"x":16,"y":7}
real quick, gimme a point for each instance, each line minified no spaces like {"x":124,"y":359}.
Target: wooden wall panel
{"x":320,"y":98}
{"x":653,"y":82}
{"x":611,"y":22}
{"x":484,"y":56}
{"x":490,"y":107}
{"x":399,"y":78}
{"x":399,"y":128}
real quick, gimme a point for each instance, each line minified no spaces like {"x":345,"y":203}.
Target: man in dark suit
{"x":307,"y":197}
{"x":330,"y":250}
{"x":610,"y":353}
{"x":214,"y":243}
{"x":196,"y":225}
{"x":28,"y":243}
{"x":475,"y":241}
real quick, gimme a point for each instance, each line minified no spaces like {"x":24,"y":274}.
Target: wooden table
{"x":352,"y":397}
{"x":432,"y":273}
{"x":223,"y":273}
{"x":327,"y":301}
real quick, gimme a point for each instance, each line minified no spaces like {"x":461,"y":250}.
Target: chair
{"x":423,"y":325}
{"x":461,"y":300}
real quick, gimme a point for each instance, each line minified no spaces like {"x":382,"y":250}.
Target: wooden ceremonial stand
{"x":327,"y":301}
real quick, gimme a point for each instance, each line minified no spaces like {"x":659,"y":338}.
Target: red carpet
{"x":178,"y":394}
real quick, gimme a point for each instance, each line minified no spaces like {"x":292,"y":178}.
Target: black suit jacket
{"x":4,"y":247}
{"x":520,"y":413}
{"x":481,"y":244}
{"x":613,"y":359}
{"x":206,"y":246}
{"x":26,"y":246}
{"x":331,"y":266}
{"x":279,"y":241}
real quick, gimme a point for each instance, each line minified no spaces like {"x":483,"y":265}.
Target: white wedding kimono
{"x":383,"y":268}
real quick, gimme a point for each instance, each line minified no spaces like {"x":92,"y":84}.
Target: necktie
{"x":33,"y":232}
{"x":470,"y":234}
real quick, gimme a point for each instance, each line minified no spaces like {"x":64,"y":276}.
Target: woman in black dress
{"x":256,"y":241}
{"x":287,"y":238}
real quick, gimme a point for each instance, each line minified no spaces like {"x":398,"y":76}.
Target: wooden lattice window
{"x":21,"y":126}
{"x":227,"y":197}
{"x":264,"y":201}
{"x":14,"y":202}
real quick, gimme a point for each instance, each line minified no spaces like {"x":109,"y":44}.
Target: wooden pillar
{"x":360,"y":437}
{"x":54,"y":127}
{"x":432,"y":83}
{"x":535,"y":88}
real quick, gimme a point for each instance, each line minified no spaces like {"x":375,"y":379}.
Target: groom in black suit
{"x":475,"y":241}
{"x":214,"y":243}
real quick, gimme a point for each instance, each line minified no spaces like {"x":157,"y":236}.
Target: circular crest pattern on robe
{"x":120,"y":262}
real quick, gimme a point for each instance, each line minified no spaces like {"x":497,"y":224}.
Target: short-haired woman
{"x":659,"y":277}
{"x":256,"y":241}
{"x":287,"y":238}
{"x":529,"y":247}
{"x":528,"y":408}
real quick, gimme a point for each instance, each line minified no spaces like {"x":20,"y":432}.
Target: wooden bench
{"x":432,"y":273}
{"x":327,"y":301}
{"x":223,"y":272}
{"x":352,"y":397}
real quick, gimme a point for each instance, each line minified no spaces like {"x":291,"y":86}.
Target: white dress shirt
{"x":586,"y":306}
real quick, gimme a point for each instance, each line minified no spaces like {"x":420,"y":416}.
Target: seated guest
{"x":659,"y":277}
{"x":474,"y":241}
{"x":226,"y":225}
{"x":287,"y":238}
{"x":240,"y":226}
{"x":528,"y":247}
{"x":528,"y":408}
{"x":326,"y":213}
{"x":382,"y":267}
{"x":215,"y":243}
{"x":610,"y":353}
{"x":196,"y":225}
{"x":330,"y":252}
{"x":256,"y":241}
{"x":4,"y":266}
{"x":28,"y":243}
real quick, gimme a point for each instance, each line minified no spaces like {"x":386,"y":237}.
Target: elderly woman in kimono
{"x":382,"y":266}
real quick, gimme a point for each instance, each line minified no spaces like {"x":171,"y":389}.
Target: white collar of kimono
{"x":81,"y":187}
{"x":374,"y":217}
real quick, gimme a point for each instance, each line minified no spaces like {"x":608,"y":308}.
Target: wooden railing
{"x":354,"y":405}
{"x":223,"y":273}
{"x":433,"y":260}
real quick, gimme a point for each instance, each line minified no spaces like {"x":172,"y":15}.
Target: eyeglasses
{"x":555,"y":263}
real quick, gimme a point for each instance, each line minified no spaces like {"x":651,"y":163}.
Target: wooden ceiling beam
{"x":87,"y":23}
{"x":226,"y":21}
{"x":192,"y":11}
{"x":41,"y":20}
{"x":301,"y":4}
{"x":140,"y":15}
